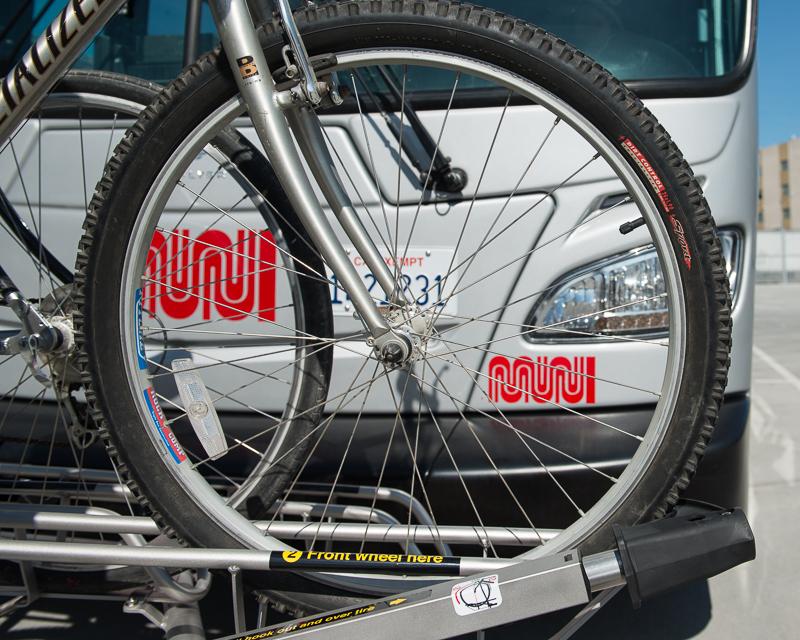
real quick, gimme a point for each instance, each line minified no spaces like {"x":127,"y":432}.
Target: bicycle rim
{"x":561,"y":114}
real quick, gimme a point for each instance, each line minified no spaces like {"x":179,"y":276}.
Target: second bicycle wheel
{"x":540,"y":307}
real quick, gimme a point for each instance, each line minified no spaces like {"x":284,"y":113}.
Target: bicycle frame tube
{"x":49,"y":58}
{"x":308,"y":132}
{"x":53,"y":52}
{"x":257,"y":88}
{"x":57,"y":48}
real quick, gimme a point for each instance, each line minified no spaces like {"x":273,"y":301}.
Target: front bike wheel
{"x":540,"y":300}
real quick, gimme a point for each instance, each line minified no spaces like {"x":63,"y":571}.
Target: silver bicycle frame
{"x":263,"y":101}
{"x":79,"y":21}
{"x":54,"y":51}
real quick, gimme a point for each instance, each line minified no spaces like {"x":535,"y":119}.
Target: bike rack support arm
{"x":529,"y":588}
{"x":650,"y":559}
{"x":681,"y":549}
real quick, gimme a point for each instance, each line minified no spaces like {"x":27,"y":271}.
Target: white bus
{"x":692,"y":62}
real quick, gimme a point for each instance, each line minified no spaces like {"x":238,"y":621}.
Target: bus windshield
{"x":634,"y":39}
{"x":645,"y":39}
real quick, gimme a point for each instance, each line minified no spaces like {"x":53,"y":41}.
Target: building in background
{"x":779,"y":186}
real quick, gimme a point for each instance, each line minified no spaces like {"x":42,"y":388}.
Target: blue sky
{"x":778,"y":71}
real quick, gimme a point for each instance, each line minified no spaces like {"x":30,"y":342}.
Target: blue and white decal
{"x":139,"y":341}
{"x":165,"y":433}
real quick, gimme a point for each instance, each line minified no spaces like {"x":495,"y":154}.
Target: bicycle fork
{"x":275,"y":115}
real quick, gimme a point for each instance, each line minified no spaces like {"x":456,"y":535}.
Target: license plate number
{"x":425,"y":279}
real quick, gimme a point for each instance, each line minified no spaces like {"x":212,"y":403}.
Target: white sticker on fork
{"x":199,"y":407}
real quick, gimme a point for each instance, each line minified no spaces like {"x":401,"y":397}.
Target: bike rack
{"x":466,"y":595}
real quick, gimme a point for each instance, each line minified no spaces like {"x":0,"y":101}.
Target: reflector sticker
{"x":558,"y":380}
{"x":140,"y":357}
{"x":474,"y":596}
{"x":165,"y":433}
{"x":199,"y":407}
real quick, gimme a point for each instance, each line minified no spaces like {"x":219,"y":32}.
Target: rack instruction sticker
{"x":474,"y":596}
{"x":374,"y":562}
{"x":336,"y":616}
{"x":331,"y":617}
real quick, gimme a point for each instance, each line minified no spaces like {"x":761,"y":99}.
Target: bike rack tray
{"x":475,"y":594}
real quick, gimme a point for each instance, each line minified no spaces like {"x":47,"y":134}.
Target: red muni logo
{"x":558,"y":380}
{"x":216,"y":274}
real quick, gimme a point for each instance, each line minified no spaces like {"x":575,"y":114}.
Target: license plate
{"x":424,"y":272}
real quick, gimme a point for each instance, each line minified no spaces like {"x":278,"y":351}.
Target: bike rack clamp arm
{"x":665,"y":554}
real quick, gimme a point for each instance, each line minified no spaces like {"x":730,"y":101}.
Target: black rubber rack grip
{"x":665,"y":554}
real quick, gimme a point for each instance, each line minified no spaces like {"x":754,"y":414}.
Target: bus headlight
{"x":624,"y":294}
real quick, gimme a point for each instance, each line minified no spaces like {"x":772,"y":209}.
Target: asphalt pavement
{"x":757,"y":600}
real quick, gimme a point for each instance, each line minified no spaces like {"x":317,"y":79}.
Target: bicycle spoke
{"x":258,"y":234}
{"x":335,"y":482}
{"x":218,"y":304}
{"x":453,"y":461}
{"x":221,"y":395}
{"x":588,"y":334}
{"x":387,"y":451}
{"x":324,"y":426}
{"x":39,"y":194}
{"x":523,"y":434}
{"x":199,"y":367}
{"x":218,"y":249}
{"x":308,"y":410}
{"x":430,"y":166}
{"x":528,"y":393}
{"x":350,"y":179}
{"x":449,"y":269}
{"x":374,"y":172}
{"x":397,"y":265}
{"x":510,"y":196}
{"x":36,"y":230}
{"x":556,"y":324}
{"x":208,"y":227}
{"x":488,"y":456}
{"x":528,"y":253}
{"x":216,"y":321}
{"x":525,"y":444}
{"x":414,"y":473}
